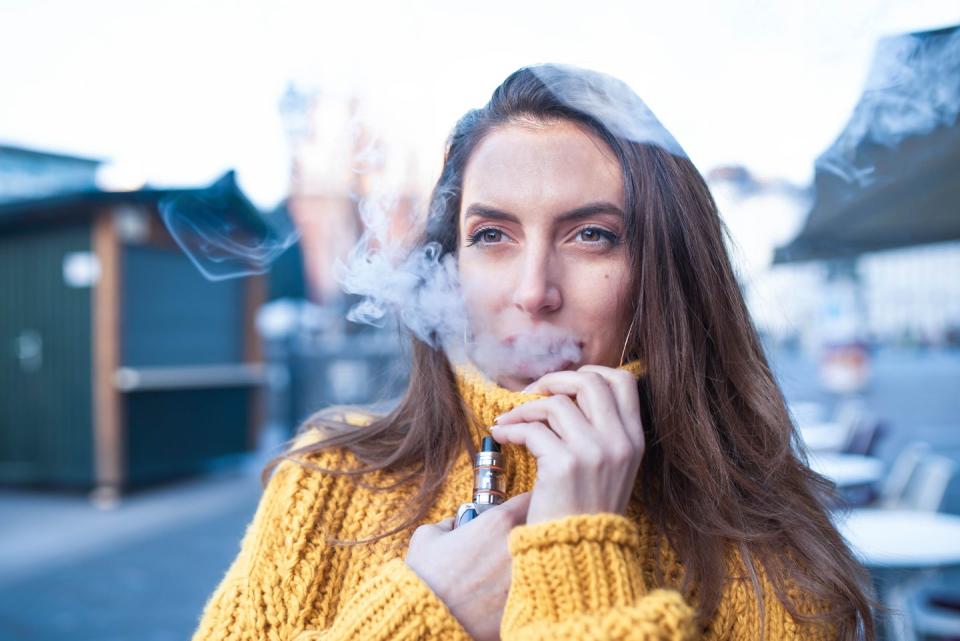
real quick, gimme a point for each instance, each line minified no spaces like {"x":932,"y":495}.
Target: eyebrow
{"x":584,"y":211}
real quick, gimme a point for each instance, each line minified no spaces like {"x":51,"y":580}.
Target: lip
{"x":512,"y":339}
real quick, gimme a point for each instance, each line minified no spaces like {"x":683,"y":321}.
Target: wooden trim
{"x":255,"y":295}
{"x":108,"y":423}
{"x":151,"y":379}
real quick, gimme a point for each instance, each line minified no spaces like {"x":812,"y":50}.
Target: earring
{"x":629,"y":331}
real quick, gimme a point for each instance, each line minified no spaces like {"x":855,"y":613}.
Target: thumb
{"x":429,"y":531}
{"x":516,"y":507}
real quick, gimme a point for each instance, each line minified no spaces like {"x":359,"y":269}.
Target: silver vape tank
{"x":489,"y":482}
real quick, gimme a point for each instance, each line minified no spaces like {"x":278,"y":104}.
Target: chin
{"x":514,"y":383}
{"x":519,"y":380}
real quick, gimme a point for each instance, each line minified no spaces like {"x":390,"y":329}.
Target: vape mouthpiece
{"x":489,"y":445}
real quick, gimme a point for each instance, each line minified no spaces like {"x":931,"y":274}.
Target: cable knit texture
{"x":586,"y":577}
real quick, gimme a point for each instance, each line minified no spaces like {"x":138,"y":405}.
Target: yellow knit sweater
{"x":580,"y":577}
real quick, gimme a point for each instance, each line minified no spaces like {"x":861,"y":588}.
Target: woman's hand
{"x":589,"y":451}
{"x":469,"y":567}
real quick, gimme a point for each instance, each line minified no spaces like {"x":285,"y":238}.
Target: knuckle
{"x":564,"y":464}
{"x":620,"y":453}
{"x":590,"y":377}
{"x":592,"y":458}
{"x":599,"y":379}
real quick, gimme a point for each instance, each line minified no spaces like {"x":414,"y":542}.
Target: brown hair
{"x":720,"y":468}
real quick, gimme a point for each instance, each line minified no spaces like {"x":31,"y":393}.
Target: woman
{"x":654,"y":492}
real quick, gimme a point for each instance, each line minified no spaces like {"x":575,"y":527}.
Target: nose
{"x":537,"y":292}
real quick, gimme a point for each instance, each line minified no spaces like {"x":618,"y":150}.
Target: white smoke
{"x":610,"y":101}
{"x":913,"y":88}
{"x":421,"y":290}
{"x":530,"y":355}
{"x":222,"y":233}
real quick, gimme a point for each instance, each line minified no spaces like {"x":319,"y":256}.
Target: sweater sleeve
{"x":579,"y":578}
{"x":280,"y":572}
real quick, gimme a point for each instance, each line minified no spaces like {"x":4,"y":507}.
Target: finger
{"x":513,"y":510}
{"x":440,"y":527}
{"x":536,"y":437}
{"x":623,"y":385}
{"x":592,"y":391}
{"x":430,"y":531}
{"x":518,"y":501}
{"x":559,"y":413}
{"x":516,"y":507}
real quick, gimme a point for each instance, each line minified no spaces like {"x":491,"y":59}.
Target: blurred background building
{"x":869,"y":256}
{"x":124,"y":365}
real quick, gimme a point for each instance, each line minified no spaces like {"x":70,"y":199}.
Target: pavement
{"x":144,"y":569}
{"x":139,"y":571}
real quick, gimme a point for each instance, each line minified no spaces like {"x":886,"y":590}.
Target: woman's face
{"x":541,"y":250}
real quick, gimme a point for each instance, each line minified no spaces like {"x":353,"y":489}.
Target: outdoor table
{"x":827,"y":436}
{"x":847,"y":470}
{"x":900,"y":548}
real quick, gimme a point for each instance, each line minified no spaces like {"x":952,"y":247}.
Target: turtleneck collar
{"x":487,"y":399}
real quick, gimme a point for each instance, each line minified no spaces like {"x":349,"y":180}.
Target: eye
{"x":597,"y":236}
{"x":485,"y":236}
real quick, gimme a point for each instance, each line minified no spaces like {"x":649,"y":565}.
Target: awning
{"x":892,"y":177}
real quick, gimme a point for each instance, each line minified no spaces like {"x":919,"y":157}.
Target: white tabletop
{"x":807,"y":411}
{"x":847,"y":470}
{"x":902,"y":539}
{"x":824,"y":437}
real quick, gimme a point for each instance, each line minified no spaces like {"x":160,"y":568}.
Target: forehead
{"x":542,"y":167}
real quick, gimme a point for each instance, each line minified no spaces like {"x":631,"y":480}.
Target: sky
{"x":180,"y":91}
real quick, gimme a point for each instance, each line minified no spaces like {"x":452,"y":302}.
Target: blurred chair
{"x":864,"y":428}
{"x":933,"y":611}
{"x":928,"y":485}
{"x":865,"y":435}
{"x":951,"y":499}
{"x":901,"y":473}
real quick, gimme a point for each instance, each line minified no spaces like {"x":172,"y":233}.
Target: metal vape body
{"x":489,"y":482}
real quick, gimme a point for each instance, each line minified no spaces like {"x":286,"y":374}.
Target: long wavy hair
{"x":721,"y":467}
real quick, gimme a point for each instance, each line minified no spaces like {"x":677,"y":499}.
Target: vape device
{"x":489,"y":482}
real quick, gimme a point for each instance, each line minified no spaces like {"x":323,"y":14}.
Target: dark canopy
{"x":892,"y":177}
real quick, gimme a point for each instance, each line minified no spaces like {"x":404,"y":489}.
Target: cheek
{"x":483,"y":295}
{"x":600,"y":304}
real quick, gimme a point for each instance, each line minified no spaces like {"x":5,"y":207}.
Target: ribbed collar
{"x":487,"y":400}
